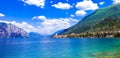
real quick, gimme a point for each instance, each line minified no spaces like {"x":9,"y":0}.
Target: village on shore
{"x":101,"y":34}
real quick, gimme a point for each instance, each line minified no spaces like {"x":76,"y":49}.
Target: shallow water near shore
{"x":46,"y":47}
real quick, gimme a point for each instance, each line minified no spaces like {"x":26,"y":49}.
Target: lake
{"x":46,"y":47}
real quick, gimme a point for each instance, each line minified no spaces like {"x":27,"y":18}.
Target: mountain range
{"x":105,"y":19}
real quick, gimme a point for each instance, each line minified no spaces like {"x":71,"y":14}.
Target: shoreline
{"x":110,"y":34}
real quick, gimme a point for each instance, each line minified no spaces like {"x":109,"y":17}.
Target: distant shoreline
{"x":107,"y":34}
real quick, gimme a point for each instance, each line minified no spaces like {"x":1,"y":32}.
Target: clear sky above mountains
{"x":48,"y":16}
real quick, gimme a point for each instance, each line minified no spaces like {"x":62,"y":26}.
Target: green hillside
{"x":112,"y":23}
{"x":96,"y":17}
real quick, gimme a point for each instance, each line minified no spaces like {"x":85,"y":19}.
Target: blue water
{"x":57,"y":48}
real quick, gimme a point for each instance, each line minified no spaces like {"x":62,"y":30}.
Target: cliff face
{"x":11,"y":31}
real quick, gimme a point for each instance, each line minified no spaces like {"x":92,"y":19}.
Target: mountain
{"x":34,"y":35}
{"x":11,"y":31}
{"x":96,"y":19}
{"x":112,"y":23}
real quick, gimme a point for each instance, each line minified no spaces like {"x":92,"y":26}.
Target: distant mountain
{"x":11,"y":31}
{"x":34,"y":35}
{"x":98,"y":20}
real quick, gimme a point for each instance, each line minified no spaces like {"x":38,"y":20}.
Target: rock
{"x":11,"y":31}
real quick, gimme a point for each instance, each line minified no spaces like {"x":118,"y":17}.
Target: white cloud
{"x":50,"y":26}
{"x":38,"y":3}
{"x":61,"y":5}
{"x":72,"y":15}
{"x":2,"y":15}
{"x":51,"y":2}
{"x":84,"y":6}
{"x":80,"y":13}
{"x":87,"y":5}
{"x":43,"y":18}
{"x":116,"y":1}
{"x":101,"y":3}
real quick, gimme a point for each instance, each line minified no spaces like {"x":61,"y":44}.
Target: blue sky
{"x":48,"y":16}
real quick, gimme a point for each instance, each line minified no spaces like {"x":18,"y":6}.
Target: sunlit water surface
{"x":46,"y":47}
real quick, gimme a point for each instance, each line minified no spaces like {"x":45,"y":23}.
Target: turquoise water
{"x":59,"y":48}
